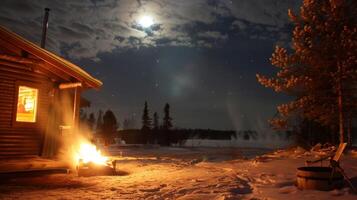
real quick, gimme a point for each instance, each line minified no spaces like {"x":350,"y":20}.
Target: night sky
{"x":201,"y":56}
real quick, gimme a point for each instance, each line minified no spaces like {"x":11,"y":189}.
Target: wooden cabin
{"x":39,"y":96}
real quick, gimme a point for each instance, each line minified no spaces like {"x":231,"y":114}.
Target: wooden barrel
{"x":318,"y":178}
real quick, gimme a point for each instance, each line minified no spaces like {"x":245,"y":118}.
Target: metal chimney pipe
{"x":44,"y":27}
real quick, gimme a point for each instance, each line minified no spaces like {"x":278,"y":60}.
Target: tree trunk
{"x":340,"y":105}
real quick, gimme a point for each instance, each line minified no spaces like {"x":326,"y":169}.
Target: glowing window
{"x":27,"y":104}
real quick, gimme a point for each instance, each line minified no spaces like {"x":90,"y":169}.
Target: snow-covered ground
{"x":238,"y":143}
{"x":185,"y":173}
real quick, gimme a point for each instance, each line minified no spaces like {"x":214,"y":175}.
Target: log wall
{"x":21,"y":139}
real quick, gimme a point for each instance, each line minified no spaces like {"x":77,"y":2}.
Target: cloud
{"x":70,"y":33}
{"x":239,"y":24}
{"x":267,"y":12}
{"x":213,"y":35}
{"x":83,"y":29}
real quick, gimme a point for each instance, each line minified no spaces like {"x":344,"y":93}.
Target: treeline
{"x":153,"y":129}
{"x":153,"y":123}
{"x":167,"y":137}
{"x":106,"y":125}
{"x":159,"y":131}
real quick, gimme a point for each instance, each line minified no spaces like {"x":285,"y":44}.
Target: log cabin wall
{"x":22,"y":139}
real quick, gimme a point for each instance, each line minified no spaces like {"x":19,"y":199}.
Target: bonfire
{"x":90,"y":161}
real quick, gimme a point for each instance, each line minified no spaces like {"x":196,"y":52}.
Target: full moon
{"x":146,"y":21}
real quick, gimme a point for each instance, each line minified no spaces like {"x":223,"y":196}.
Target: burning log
{"x":93,"y":169}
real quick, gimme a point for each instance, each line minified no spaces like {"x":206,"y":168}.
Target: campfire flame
{"x":88,"y":153}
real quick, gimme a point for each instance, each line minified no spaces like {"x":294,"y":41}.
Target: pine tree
{"x":167,"y":120}
{"x":156,"y":121}
{"x":321,"y":69}
{"x":109,"y":126}
{"x":91,"y":121}
{"x":99,"y":122}
{"x":145,"y":118}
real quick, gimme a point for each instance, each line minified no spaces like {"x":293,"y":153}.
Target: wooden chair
{"x":334,"y":158}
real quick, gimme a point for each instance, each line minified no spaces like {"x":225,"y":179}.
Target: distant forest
{"x":180,"y":136}
{"x":106,"y":127}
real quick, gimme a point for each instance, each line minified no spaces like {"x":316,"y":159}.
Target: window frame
{"x":21,"y":123}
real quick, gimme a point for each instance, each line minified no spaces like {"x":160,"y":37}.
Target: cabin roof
{"x":54,"y":61}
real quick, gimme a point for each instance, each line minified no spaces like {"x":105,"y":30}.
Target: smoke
{"x":254,"y":131}
{"x":62,"y":139}
{"x":250,"y":132}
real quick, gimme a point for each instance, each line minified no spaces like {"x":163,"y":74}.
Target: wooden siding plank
{"x":16,"y":141}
